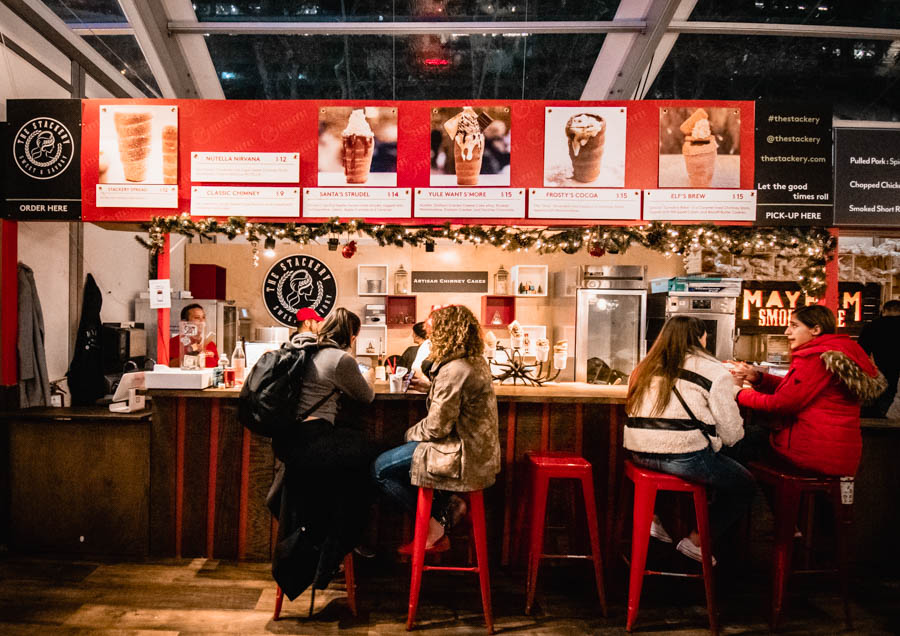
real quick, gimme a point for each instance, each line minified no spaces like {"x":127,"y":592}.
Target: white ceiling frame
{"x":624,"y":58}
{"x":665,"y":46}
{"x":57,"y":33}
{"x":100,"y":28}
{"x":783,"y":30}
{"x":194,"y":51}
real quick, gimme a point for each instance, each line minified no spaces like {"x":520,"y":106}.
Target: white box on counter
{"x":178,"y":379}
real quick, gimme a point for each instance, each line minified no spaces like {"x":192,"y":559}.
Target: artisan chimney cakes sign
{"x":295,"y":282}
{"x":43,"y":175}
{"x":445,"y":282}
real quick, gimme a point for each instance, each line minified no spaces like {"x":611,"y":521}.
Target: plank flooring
{"x":201,"y":596}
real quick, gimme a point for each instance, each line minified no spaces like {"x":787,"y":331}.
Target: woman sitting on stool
{"x":456,"y":447}
{"x":681,"y":410}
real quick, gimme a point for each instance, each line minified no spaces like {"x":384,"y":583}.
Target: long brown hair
{"x":679,"y":337}
{"x":455,"y":330}
{"x":339,"y":327}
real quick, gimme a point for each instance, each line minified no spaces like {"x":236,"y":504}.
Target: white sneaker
{"x":658,"y":532}
{"x":690,"y":550}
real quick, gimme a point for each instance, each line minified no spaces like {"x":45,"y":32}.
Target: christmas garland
{"x":815,"y":245}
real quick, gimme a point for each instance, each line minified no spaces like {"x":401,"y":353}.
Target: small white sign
{"x":369,"y":203}
{"x":246,"y":201}
{"x":245,"y":167}
{"x":470,"y":203}
{"x":584,"y":203}
{"x":113,"y":195}
{"x":699,"y":205}
{"x":160,"y":293}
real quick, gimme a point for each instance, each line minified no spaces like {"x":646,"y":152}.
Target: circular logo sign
{"x":43,"y":148}
{"x":296,"y":282}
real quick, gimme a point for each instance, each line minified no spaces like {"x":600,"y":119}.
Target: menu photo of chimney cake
{"x":138,"y":144}
{"x":357,"y":146}
{"x":470,"y":146}
{"x":584,"y":147}
{"x":699,"y":148}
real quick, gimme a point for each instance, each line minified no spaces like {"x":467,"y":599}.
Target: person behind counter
{"x":409,"y":355}
{"x":193,"y":313}
{"x":879,"y":339}
{"x":681,"y":410}
{"x":816,"y":406}
{"x":320,"y":489}
{"x":456,"y":447}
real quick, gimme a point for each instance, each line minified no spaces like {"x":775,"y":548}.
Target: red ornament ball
{"x":596,"y":251}
{"x":349,"y":249}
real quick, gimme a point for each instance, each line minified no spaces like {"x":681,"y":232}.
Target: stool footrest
{"x":681,"y":575}
{"x":448,"y":568}
{"x":586,"y":557}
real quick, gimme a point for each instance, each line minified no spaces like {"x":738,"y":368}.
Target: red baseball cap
{"x":308,"y":314}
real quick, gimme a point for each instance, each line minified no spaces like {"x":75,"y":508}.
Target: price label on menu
{"x":375,"y":203}
{"x":136,"y":196}
{"x":700,"y":205}
{"x":584,"y":203}
{"x":245,"y":167}
{"x":248,"y":201}
{"x":470,"y":203}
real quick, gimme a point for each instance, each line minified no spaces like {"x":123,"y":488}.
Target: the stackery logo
{"x":43,"y":148}
{"x":296,"y":282}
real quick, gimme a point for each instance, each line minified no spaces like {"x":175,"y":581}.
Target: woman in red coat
{"x":819,"y":398}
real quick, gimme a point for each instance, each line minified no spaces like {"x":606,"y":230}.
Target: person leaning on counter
{"x":193,"y":313}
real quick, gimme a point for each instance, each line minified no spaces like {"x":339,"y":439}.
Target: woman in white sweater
{"x":681,"y":410}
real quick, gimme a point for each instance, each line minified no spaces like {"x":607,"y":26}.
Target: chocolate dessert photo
{"x":357,"y":146}
{"x":470,"y":146}
{"x":584,"y":147}
{"x":699,"y":147}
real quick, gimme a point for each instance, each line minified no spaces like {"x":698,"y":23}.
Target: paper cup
{"x":396,"y":383}
{"x":559,"y":360}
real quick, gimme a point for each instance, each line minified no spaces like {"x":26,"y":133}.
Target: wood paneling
{"x":162,"y":477}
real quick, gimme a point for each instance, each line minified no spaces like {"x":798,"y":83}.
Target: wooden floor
{"x":49,"y":596}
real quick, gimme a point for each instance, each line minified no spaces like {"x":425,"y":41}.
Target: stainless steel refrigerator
{"x":609,"y":334}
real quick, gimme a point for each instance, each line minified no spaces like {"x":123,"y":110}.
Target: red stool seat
{"x":560,"y":465}
{"x":479,"y":537}
{"x":349,"y":578}
{"x":646,"y":484}
{"x":791,"y":485}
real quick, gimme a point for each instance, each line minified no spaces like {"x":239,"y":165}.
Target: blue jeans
{"x":391,"y":473}
{"x":731,"y":485}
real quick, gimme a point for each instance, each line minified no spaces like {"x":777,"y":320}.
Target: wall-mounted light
{"x":270,"y":247}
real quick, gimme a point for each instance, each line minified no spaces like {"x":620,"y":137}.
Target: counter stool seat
{"x":791,"y":485}
{"x":560,"y":465}
{"x":646,"y":484}
{"x":479,"y":538}
{"x":349,"y":578}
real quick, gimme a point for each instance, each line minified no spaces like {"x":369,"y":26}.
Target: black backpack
{"x":271,"y":393}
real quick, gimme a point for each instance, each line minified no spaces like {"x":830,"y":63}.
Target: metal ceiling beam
{"x":783,"y":30}
{"x":402,"y":28}
{"x":149,"y":22}
{"x":665,"y":46}
{"x":55,"y":31}
{"x":100,"y":28}
{"x":194,"y":51}
{"x":623,"y":60}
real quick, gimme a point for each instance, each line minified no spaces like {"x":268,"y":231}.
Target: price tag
{"x":470,"y":203}
{"x":136,"y":196}
{"x":246,"y":201}
{"x":245,"y":167}
{"x":160,"y":294}
{"x":700,"y":205}
{"x":584,"y":203}
{"x":369,"y":203}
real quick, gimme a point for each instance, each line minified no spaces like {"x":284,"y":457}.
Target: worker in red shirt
{"x":194,"y":313}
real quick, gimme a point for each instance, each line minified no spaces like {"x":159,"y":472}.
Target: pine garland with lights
{"x":815,"y":245}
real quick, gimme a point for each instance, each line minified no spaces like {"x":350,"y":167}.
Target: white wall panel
{"x":119,"y":265}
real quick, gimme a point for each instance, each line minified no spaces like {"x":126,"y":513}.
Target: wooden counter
{"x":209,"y":476}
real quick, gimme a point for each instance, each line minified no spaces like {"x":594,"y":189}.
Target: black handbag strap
{"x":699,"y":424}
{"x":315,"y":406}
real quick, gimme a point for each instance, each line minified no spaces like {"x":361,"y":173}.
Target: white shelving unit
{"x":532,"y":277}
{"x":372,"y":340}
{"x":372,"y":280}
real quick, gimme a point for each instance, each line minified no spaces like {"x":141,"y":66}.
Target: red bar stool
{"x":560,"y":465}
{"x":646,"y":484}
{"x":479,"y":532}
{"x":791,"y":485}
{"x":349,"y":579}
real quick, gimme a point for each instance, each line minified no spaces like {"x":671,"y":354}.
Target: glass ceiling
{"x":860,"y":75}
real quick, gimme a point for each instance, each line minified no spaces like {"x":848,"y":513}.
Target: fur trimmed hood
{"x":864,"y":386}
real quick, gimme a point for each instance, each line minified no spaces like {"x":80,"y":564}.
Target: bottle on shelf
{"x":380,"y":373}
{"x":238,"y":361}
{"x":219,"y":372}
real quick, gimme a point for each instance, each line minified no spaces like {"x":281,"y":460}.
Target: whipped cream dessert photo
{"x":470,"y":146}
{"x":357,"y":146}
{"x":584,"y":147}
{"x":699,"y":147}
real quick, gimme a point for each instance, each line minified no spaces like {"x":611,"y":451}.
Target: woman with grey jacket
{"x":456,"y":447}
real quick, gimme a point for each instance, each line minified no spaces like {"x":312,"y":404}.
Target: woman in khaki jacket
{"x":456,"y":446}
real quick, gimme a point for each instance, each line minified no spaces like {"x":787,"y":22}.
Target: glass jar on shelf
{"x":501,"y":282}
{"x":401,"y":281}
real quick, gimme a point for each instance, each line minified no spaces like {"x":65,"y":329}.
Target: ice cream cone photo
{"x":584,"y":146}
{"x":357,"y":146}
{"x":708,"y":142}
{"x":474,"y":146}
{"x":138,"y":144}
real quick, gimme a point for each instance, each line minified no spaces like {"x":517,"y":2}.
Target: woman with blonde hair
{"x":681,"y":410}
{"x":456,"y":447}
